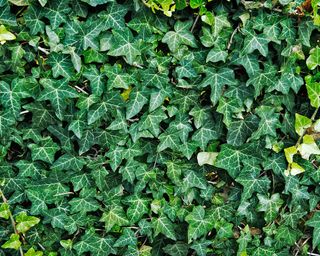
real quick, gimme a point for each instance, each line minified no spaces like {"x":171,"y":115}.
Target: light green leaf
{"x":314,"y":58}
{"x":5,"y":35}
{"x":4,"y":211}
{"x":313,"y":89}
{"x":25,"y":222}
{"x":301,"y":124}
{"x":12,"y":243}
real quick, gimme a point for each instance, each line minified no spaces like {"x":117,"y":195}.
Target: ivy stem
{"x":232,"y":35}
{"x":314,"y":114}
{"x":13,"y":223}
{"x":195,"y":23}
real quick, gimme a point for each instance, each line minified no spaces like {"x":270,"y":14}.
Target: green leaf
{"x":195,"y":3}
{"x":254,"y":42}
{"x":231,"y":158}
{"x":123,"y":45}
{"x":216,"y":55}
{"x":180,"y":36}
{"x":251,"y":181}
{"x":240,"y":131}
{"x":33,"y":20}
{"x":136,"y":102}
{"x":45,"y":150}
{"x":199,"y":223}
{"x":85,"y":203}
{"x":68,"y":162}
{"x":114,"y":216}
{"x":138,"y":206}
{"x":57,"y":92}
{"x":96,"y":2}
{"x":164,"y":226}
{"x":61,"y":65}
{"x":315,"y":223}
{"x":217,"y":79}
{"x":92,"y":243}
{"x":270,"y":206}
{"x":177,"y":249}
{"x":128,"y":238}
{"x":113,"y":17}
{"x":10,"y":96}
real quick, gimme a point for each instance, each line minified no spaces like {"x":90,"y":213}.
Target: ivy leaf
{"x":96,"y":2}
{"x":262,"y":80}
{"x":4,"y":211}
{"x":44,"y":150}
{"x":25,"y":222}
{"x":10,"y":96}
{"x":136,"y":102}
{"x":251,"y":182}
{"x":57,"y":93}
{"x":113,"y":17}
{"x":314,"y":59}
{"x":254,"y":42}
{"x":12,"y":243}
{"x":33,"y":20}
{"x":123,"y":45}
{"x":128,"y":238}
{"x":164,"y":226}
{"x":217,"y":79}
{"x":180,"y":36}
{"x":301,"y":124}
{"x":199,"y":224}
{"x":315,"y":223}
{"x":56,"y":12}
{"x":231,"y":158}
{"x":240,"y":131}
{"x":138,"y":206}
{"x":177,"y":249}
{"x":91,"y":242}
{"x":313,"y":89}
{"x":216,"y":55}
{"x":114,"y":216}
{"x":68,"y":162}
{"x":270,"y":206}
{"x":85,"y":203}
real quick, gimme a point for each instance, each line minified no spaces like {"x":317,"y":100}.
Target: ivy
{"x":159,"y":127}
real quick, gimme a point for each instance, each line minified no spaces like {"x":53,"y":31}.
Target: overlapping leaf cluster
{"x":106,"y":105}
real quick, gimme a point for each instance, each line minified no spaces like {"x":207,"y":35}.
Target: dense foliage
{"x":130,"y":129}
